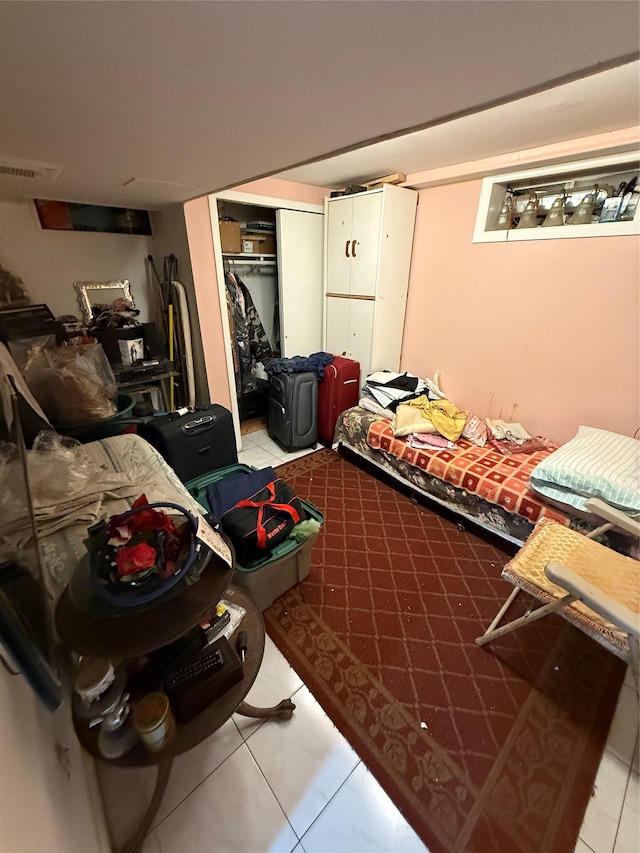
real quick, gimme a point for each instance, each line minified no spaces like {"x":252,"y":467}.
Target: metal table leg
{"x":282,"y":711}
{"x":134,"y":844}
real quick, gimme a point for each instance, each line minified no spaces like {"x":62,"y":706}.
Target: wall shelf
{"x":246,"y":259}
{"x":548,"y":182}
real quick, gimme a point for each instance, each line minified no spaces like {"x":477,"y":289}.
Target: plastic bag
{"x":58,"y":474}
{"x":13,"y":293}
{"x":22,"y":349}
{"x":74,"y":384}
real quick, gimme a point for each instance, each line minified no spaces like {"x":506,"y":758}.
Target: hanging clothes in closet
{"x":249,"y":339}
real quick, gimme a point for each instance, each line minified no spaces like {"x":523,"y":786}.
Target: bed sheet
{"x":483,"y":471}
{"x":476,"y":482}
{"x":147,"y":472}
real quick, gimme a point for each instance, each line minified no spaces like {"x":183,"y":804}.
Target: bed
{"x":478,"y":484}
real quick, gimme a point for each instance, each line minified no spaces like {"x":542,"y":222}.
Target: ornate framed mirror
{"x":92,"y":293}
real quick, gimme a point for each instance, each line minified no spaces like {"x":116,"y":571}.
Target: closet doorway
{"x":270,"y":284}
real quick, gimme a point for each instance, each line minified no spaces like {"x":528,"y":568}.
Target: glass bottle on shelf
{"x":507,"y":212}
{"x":529,"y":217}
{"x":556,"y":213}
{"x":584,"y":211}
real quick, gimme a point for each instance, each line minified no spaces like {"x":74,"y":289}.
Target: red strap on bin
{"x":261,"y":530}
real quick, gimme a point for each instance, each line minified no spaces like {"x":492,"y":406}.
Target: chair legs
{"x":532,"y":615}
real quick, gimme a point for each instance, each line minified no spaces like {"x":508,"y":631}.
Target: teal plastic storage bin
{"x":288,"y":563}
{"x":105,"y":428}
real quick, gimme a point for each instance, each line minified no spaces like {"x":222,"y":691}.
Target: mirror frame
{"x":85,"y":288}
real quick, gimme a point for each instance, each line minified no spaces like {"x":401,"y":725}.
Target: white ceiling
{"x":191,"y":97}
{"x":592,"y":105}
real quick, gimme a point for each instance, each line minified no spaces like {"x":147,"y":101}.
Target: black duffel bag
{"x":259,"y":523}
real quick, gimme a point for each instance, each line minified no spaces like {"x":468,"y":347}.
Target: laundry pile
{"x":509,"y":438}
{"x":314,"y":363}
{"x":385,"y":390}
{"x":420,"y":413}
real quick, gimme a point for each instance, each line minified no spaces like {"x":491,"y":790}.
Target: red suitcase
{"x":338,"y":391}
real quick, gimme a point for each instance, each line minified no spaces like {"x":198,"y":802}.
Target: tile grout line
{"x":629,"y":766}
{"x":204,"y":779}
{"x":624,"y":799}
{"x":261,"y":771}
{"x":300,"y":837}
{"x":618,"y":760}
{"x":609,"y":750}
{"x":326,"y":805}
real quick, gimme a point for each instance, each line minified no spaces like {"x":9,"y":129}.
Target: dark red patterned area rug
{"x":482,"y":749}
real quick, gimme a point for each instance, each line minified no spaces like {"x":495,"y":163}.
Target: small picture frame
{"x":131,"y":351}
{"x":611,"y":209}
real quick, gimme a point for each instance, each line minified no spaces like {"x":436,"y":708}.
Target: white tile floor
{"x":254,"y":786}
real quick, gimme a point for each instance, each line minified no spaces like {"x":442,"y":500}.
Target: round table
{"x":131,"y":635}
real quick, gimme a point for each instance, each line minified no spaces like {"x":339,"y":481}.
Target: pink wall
{"x":542,"y":332}
{"x":196,"y":214}
{"x":275,"y":188}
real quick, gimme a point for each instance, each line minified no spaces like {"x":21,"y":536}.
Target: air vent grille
{"x":15,"y":172}
{"x":24,"y":169}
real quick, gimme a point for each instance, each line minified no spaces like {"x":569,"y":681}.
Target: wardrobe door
{"x":300,"y":262}
{"x":350,"y":329}
{"x":361,"y":315}
{"x":365,"y":244}
{"x":339,"y":237}
{"x":377,"y":251}
{"x":337,"y":338}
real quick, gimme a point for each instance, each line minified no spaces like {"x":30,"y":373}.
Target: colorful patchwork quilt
{"x":501,"y":480}
{"x":476,"y":483}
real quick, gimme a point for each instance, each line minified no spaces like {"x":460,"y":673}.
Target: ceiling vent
{"x":31,"y":171}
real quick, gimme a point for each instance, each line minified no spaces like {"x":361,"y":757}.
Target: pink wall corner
{"x":198,"y":222}
{"x":543,"y":332}
{"x":277,"y":188}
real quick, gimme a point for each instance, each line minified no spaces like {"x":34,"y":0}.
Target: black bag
{"x":224,"y":494}
{"x":193,"y":442}
{"x":259,"y":523}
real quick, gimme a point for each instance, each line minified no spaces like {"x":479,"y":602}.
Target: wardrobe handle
{"x":353,"y":248}
{"x":346,"y":249}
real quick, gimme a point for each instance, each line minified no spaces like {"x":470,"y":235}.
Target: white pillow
{"x":594,"y":464}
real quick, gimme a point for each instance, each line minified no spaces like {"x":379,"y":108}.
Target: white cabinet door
{"x":365,"y":244}
{"x":337,"y":339}
{"x":350,"y":329}
{"x":361,"y":313}
{"x":367,"y":322}
{"x":353,"y":241}
{"x":300,"y":261}
{"x":339,"y":228}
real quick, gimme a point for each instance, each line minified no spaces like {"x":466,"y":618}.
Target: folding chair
{"x":590,"y":585}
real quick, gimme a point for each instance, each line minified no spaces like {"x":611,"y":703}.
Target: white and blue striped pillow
{"x":594,"y":464}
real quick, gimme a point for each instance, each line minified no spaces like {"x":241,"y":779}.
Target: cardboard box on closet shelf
{"x":230,"y":236}
{"x":267,"y":246}
{"x":258,"y":244}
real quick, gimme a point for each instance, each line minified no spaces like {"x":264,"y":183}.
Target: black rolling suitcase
{"x":193,"y":442}
{"x":293,"y":409}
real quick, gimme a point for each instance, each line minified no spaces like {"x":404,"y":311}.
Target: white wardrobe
{"x":368,"y":242}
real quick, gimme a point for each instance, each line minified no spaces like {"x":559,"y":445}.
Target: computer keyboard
{"x":207,"y":664}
